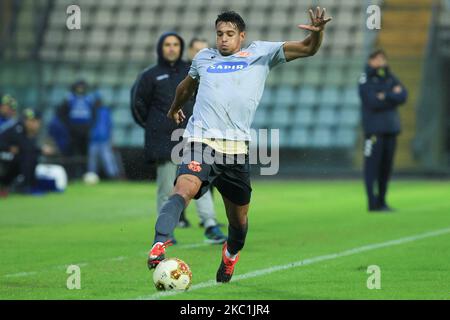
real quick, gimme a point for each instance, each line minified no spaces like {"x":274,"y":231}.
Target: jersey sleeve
{"x":193,"y":70}
{"x":274,"y":52}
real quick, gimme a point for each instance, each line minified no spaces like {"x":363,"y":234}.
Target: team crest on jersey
{"x":227,"y":67}
{"x":195,"y":166}
{"x":243,"y":54}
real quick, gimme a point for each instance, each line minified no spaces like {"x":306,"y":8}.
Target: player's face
{"x":196,"y":47}
{"x":171,"y":49}
{"x":228,"y":38}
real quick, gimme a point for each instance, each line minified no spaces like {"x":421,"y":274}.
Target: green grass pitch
{"x":107,"y":230}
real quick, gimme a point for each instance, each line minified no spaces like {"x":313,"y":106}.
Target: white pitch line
{"x":20,"y":274}
{"x":84,"y":264}
{"x":261,"y":272}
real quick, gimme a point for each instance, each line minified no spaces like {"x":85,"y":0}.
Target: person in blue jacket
{"x":100,"y":145}
{"x":381,"y":94}
{"x":8,"y":109}
{"x":78,"y":114}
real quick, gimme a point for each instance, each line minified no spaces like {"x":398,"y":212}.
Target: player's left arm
{"x":311,"y":44}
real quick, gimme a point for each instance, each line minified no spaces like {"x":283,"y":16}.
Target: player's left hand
{"x":318,"y":20}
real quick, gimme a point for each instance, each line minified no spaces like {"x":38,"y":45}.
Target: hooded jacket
{"x":151,"y":97}
{"x":380,"y":116}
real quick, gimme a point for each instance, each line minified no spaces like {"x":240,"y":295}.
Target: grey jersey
{"x":230,"y":89}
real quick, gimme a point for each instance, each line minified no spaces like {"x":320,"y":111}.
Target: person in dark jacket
{"x":19,"y":152}
{"x":151,"y":98}
{"x":381,"y":94}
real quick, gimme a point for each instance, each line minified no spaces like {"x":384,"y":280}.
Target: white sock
{"x":229,"y":255}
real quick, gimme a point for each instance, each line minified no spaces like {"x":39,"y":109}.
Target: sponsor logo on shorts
{"x":195,"y":166}
{"x":227,"y":67}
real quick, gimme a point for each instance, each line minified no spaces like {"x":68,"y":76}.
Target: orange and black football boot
{"x":156,"y":254}
{"x":226,"y":267}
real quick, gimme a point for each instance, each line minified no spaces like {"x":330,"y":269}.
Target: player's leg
{"x":237,"y":232}
{"x":207,"y":215}
{"x":192,"y":181}
{"x":387,"y":161}
{"x":235,"y":187}
{"x":238,"y":226}
{"x":372,"y":158}
{"x":186,"y":188}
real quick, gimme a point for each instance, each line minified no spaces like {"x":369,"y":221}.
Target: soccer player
{"x":230,"y":83}
{"x":151,"y":99}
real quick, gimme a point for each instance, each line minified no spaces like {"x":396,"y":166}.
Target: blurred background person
{"x":195,"y":45}
{"x":151,"y":97}
{"x":59,"y":133}
{"x":20,"y":152}
{"x":78,"y":113}
{"x":100,"y":145}
{"x":381,"y":94}
{"x":8,"y":110}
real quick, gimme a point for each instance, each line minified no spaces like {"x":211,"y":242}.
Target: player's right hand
{"x":177,"y":116}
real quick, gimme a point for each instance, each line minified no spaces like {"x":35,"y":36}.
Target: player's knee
{"x":187,"y":188}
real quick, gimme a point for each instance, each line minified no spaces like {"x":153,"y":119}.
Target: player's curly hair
{"x":233,"y":17}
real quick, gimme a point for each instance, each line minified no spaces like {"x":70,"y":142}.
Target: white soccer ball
{"x":91,"y":178}
{"x":172,"y":274}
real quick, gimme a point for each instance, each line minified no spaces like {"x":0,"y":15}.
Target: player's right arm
{"x":184,"y":92}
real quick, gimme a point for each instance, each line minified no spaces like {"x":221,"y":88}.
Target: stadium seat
{"x":122,"y":116}
{"x":56,"y":96}
{"x":326,"y":117}
{"x":280,"y":118}
{"x":299,"y":137}
{"x":329,"y":97}
{"x":321,"y":137}
{"x":285,"y":97}
{"x":307,"y":97}
{"x":345,"y":137}
{"x":267,"y":98}
{"x":259,"y":121}
{"x":348,"y":117}
{"x":120,"y":137}
{"x":351,"y":98}
{"x":107,"y":95}
{"x":303,"y":117}
{"x":123,"y":96}
{"x":137,"y":137}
